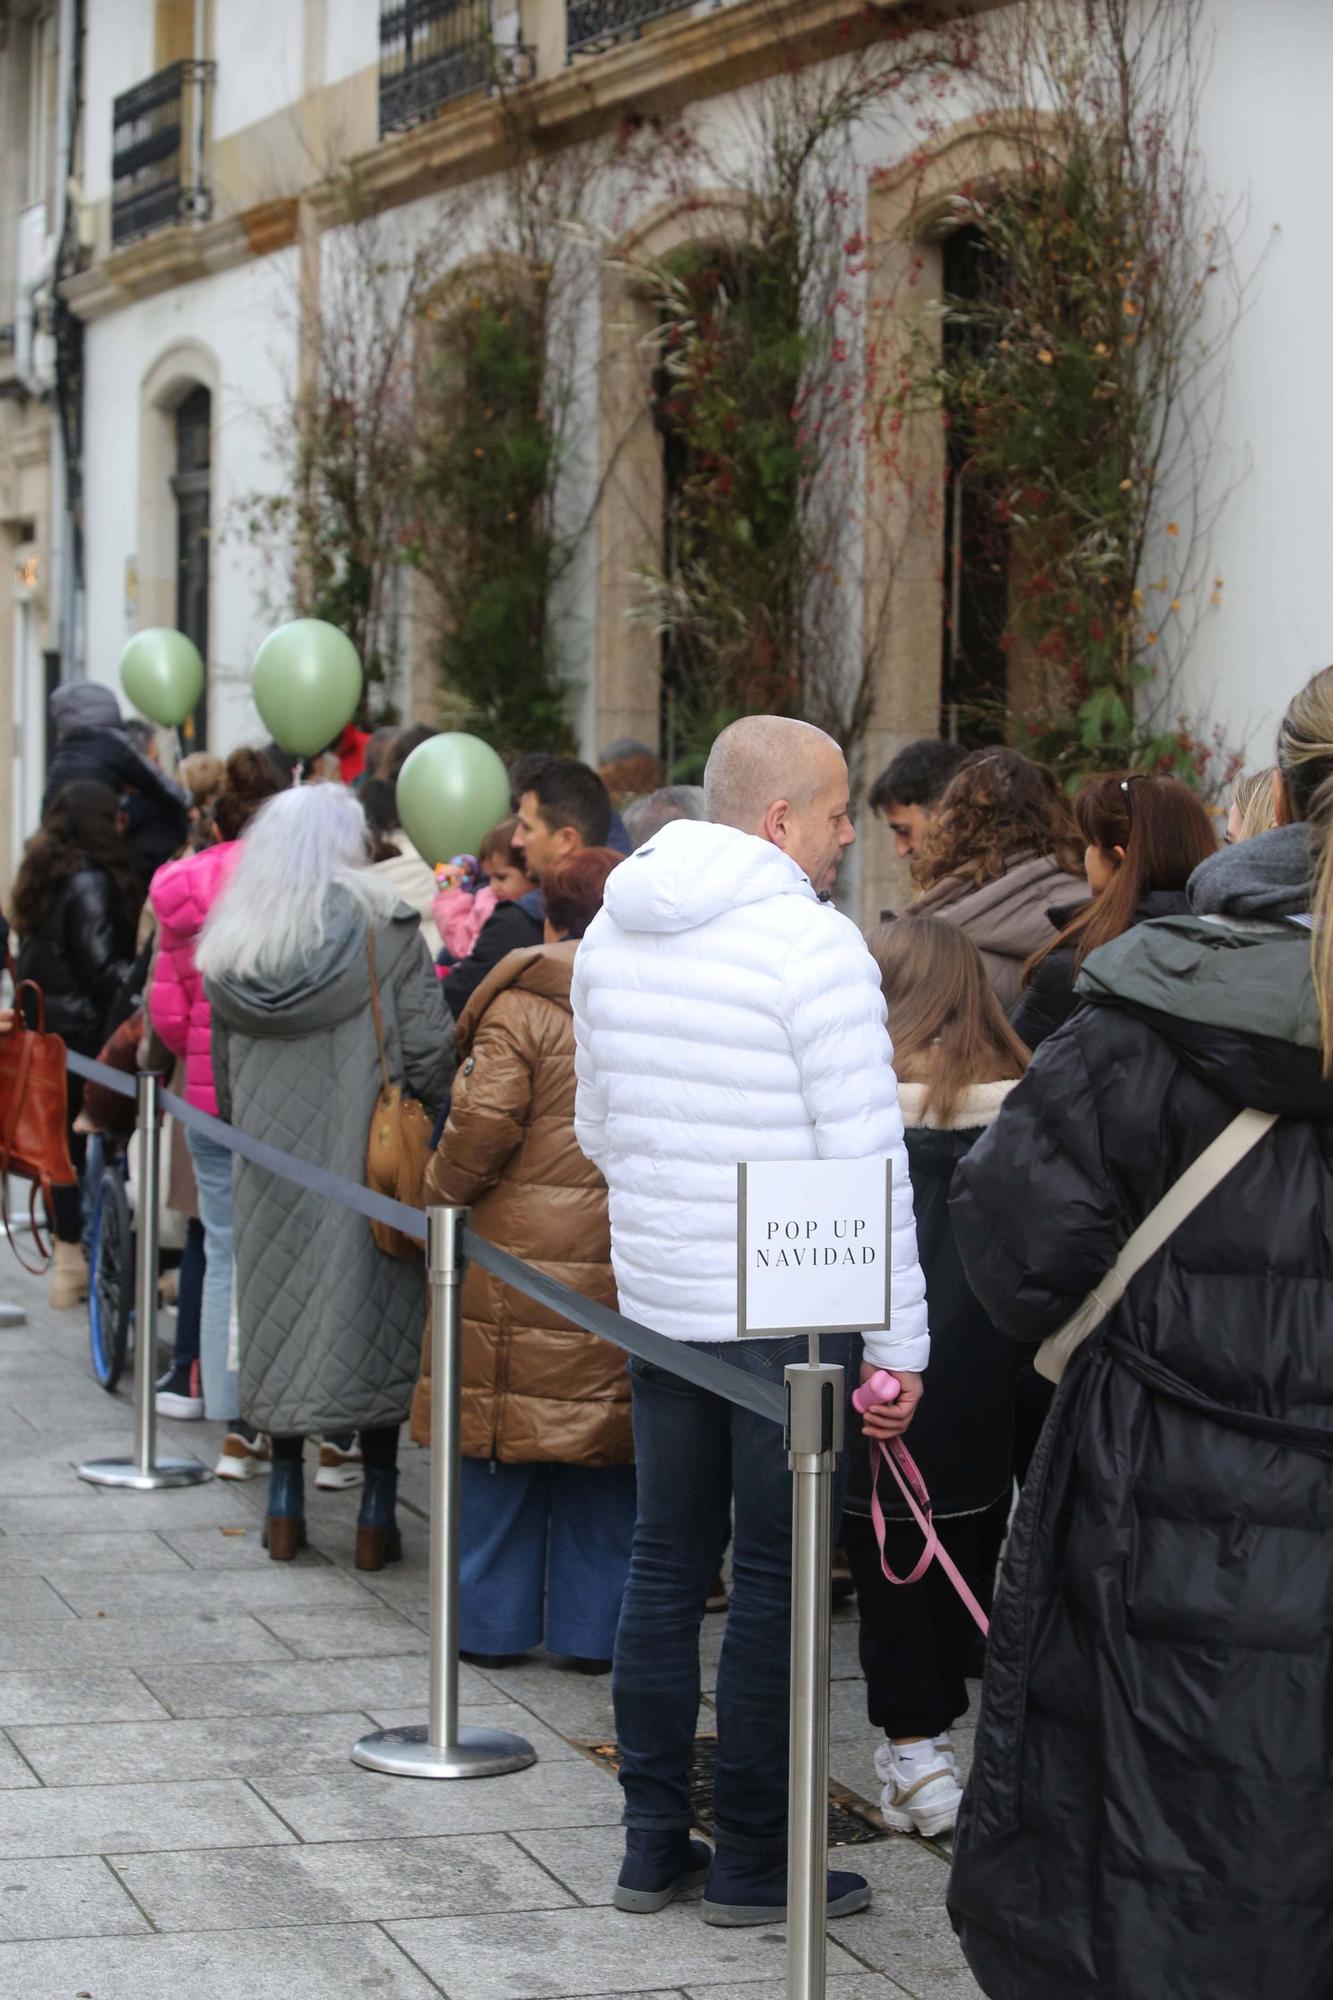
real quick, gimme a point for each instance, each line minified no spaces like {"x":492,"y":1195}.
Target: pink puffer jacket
{"x":182,"y":894}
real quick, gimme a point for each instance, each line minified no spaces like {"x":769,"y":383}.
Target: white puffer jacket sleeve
{"x":836,"y":1020}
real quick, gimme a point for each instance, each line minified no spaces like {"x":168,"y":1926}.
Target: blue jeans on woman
{"x":545,"y":1549}
{"x":212,"y":1173}
{"x":695,"y":1453}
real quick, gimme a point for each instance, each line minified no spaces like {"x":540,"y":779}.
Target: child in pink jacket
{"x":460,"y":912}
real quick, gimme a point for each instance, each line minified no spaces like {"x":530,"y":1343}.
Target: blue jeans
{"x":212,"y":1173}
{"x":696,"y":1454}
{"x":545,"y":1549}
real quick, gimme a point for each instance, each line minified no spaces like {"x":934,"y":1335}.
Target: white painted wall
{"x":245,"y":316}
{"x":1267,"y":138}
{"x":351,"y":38}
{"x":258,"y":48}
{"x":118,"y":53}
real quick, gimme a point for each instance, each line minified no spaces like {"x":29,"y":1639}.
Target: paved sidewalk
{"x":178,"y":1815}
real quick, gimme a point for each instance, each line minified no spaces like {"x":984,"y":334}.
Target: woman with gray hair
{"x":330,"y":1326}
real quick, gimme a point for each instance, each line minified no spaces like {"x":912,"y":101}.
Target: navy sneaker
{"x":657,"y":1868}
{"x":745,"y":1889}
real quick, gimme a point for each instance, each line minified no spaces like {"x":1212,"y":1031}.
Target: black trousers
{"x":918,"y":1640}
{"x":378,"y":1447}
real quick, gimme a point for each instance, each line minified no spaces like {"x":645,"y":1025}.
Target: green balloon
{"x":163,"y":675}
{"x":306,"y":683}
{"x":452,"y":790}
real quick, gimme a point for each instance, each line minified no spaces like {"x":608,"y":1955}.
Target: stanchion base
{"x":125,"y":1472}
{"x":478,"y":1753}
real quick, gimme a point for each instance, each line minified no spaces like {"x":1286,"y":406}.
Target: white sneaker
{"x":242,"y":1457}
{"x":921,"y":1789}
{"x":339,"y":1467}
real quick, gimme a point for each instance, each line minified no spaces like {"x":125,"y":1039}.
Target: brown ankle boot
{"x":69,"y":1276}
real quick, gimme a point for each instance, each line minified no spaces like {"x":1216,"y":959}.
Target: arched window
{"x":190,"y":485}
{"x":974,"y":690}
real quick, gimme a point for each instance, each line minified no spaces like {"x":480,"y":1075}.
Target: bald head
{"x":785,"y":782}
{"x":761,"y":759}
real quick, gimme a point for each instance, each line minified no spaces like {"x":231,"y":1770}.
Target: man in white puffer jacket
{"x":724,"y":1013}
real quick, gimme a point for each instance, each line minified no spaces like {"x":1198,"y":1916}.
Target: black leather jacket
{"x":79,"y":954}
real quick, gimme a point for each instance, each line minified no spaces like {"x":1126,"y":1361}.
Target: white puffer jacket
{"x":723,"y":1013}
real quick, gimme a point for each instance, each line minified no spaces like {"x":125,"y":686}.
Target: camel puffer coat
{"x":534,"y":1387}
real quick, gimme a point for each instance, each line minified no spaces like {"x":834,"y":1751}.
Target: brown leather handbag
{"x":34,"y":1117}
{"x":399,"y":1149}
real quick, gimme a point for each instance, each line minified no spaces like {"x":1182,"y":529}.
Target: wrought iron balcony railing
{"x":157,"y":152}
{"x":432,"y":51}
{"x":592,"y":25}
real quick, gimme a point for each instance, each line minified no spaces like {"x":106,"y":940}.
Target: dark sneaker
{"x":179,"y":1394}
{"x":743,"y":1889}
{"x":657,"y":1868}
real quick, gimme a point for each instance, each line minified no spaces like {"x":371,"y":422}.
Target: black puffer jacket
{"x":1048,"y":999}
{"x":1150,"y":1814}
{"x":79,"y":955}
{"x":509,"y":927}
{"x":962,"y":1437}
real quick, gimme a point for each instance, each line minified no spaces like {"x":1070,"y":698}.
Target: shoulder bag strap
{"x":375,"y":1009}
{"x":1181,"y":1199}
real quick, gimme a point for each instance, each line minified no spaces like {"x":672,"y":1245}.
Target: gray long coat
{"x":330,"y":1327}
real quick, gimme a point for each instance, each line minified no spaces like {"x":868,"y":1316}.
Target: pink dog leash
{"x":884,"y":1388}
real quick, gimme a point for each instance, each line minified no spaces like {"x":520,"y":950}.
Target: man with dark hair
{"x":907,"y":792}
{"x":564,"y":808}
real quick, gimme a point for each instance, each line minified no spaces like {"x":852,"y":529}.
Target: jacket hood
{"x":1268,"y":876}
{"x":546,"y":970}
{"x":1231,"y":989}
{"x":979,"y":1106}
{"x":83,"y":705}
{"x":318,"y":991}
{"x":692,"y":871}
{"x":994,"y":912}
{"x":183,"y":893}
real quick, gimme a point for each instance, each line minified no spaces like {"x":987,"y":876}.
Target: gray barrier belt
{"x":763,"y":1399}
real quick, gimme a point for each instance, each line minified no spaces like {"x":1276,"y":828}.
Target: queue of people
{"x":616,"y":1001}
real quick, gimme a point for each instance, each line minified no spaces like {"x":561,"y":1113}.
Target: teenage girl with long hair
{"x":1000,"y":850}
{"x":1143,"y":838}
{"x":957,"y":1059}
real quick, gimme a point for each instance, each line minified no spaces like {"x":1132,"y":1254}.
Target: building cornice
{"x":179,"y":255}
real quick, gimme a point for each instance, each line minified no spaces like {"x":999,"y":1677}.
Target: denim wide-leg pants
{"x":544,"y":1554}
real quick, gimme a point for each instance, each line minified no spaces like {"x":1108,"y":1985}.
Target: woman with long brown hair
{"x":957,"y":1059}
{"x":75,"y":905}
{"x":1001,"y":849}
{"x":1148,"y":1808}
{"x":1144,"y":836}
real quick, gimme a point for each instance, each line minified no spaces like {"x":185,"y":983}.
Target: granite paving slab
{"x":305,"y":1687}
{"x":279,"y":1586}
{"x":232,"y":1547}
{"x":70,"y":1897}
{"x":16,"y":1774}
{"x":232,"y":1888}
{"x":324,"y":1963}
{"x":362,"y":1805}
{"x":119,"y":1753}
{"x":47,"y":1555}
{"x":109,"y":1694}
{"x":542,"y":1955}
{"x":118,"y":1642}
{"x":101,"y":1819}
{"x":31,"y":1600}
{"x":329,"y":1635}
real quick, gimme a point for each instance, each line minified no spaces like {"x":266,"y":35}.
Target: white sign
{"x":812,"y":1243}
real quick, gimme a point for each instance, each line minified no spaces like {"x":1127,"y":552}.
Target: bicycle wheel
{"x":110,"y":1278}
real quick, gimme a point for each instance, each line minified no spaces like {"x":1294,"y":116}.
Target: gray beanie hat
{"x":84,"y":705}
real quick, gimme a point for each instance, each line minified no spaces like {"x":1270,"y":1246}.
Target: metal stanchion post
{"x":814,"y":1439}
{"x":145,"y":1471}
{"x":440,"y":1748}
